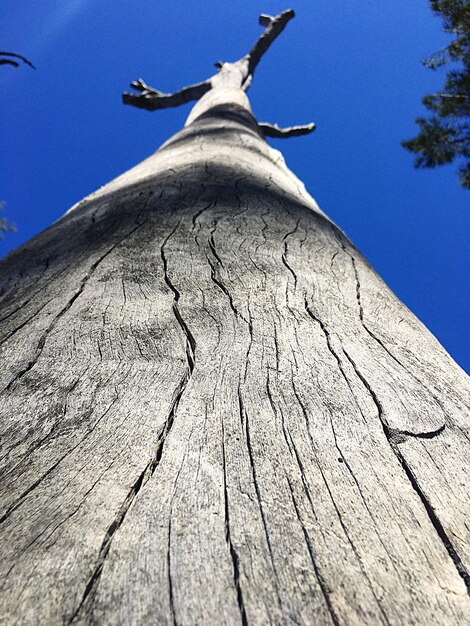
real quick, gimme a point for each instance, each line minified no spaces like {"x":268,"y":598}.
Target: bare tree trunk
{"x":215,"y":412}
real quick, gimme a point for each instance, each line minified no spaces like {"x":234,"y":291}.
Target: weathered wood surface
{"x":213,"y":411}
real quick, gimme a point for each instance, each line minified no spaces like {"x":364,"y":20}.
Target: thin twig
{"x":16,"y":56}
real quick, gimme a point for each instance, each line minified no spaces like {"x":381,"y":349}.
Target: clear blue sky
{"x":352,"y":66}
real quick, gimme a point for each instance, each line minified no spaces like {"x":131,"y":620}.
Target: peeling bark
{"x":214,"y":411}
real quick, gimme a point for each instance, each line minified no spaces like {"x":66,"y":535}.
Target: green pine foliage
{"x":444,"y":136}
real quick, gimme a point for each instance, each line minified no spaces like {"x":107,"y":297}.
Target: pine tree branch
{"x":450,"y":95}
{"x":273,"y":130}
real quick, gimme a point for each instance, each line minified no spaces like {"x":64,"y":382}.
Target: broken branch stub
{"x":265,"y":19}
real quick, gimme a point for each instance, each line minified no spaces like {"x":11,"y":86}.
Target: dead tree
{"x":214,"y":411}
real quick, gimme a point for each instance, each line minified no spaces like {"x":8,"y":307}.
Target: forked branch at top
{"x":238,"y":74}
{"x":153,"y":99}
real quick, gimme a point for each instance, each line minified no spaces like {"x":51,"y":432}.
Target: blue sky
{"x":352,"y":66}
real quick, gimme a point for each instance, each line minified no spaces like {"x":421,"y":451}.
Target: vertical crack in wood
{"x":321,"y":582}
{"x":228,"y":538}
{"x":337,"y":511}
{"x":37,"y":482}
{"x":190,"y":341}
{"x":250,"y":345}
{"x":344,"y":459}
{"x":276,"y":412}
{"x":92,"y":584}
{"x":215,"y":276}
{"x":197,"y":215}
{"x":26,"y":321}
{"x":145,"y":475}
{"x":40,"y":441}
{"x":66,"y":519}
{"x":380,"y":342}
{"x":63,"y":311}
{"x":20,"y":306}
{"x":258,"y":496}
{"x":327,"y":335}
{"x":394,"y":436}
{"x":170,"y":581}
{"x":390,"y":436}
{"x":286,"y":264}
{"x":276,"y":348}
{"x":51,"y":278}
{"x":292,"y":448}
{"x":339,"y":238}
{"x":240,"y":407}
{"x":211,"y":242}
{"x":361,"y":313}
{"x":171,"y":596}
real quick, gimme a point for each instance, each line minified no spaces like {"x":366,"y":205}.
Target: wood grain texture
{"x":213,"y":411}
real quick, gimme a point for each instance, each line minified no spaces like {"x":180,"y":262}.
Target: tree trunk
{"x":215,"y":412}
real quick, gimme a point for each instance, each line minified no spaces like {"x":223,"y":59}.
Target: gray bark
{"x":214,"y":411}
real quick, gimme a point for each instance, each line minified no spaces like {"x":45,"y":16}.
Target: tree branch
{"x":450,"y":95}
{"x":274,"y":27}
{"x":273,"y":130}
{"x":152,"y":99}
{"x":9,"y":62}
{"x":16,"y":56}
